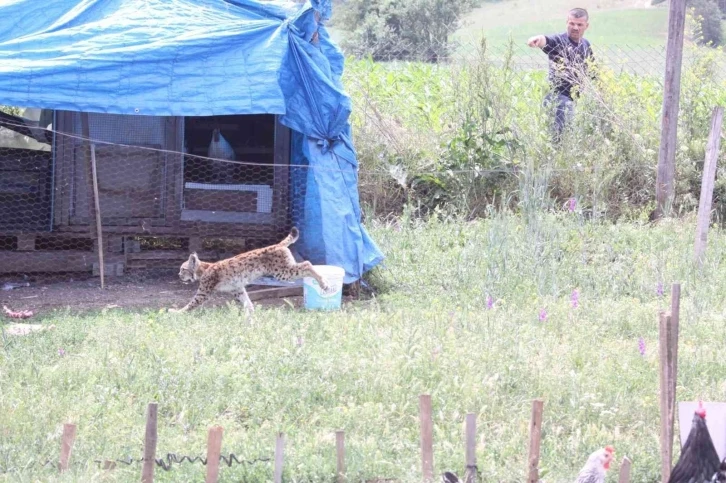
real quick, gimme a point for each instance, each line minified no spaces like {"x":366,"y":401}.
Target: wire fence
{"x":148,"y":190}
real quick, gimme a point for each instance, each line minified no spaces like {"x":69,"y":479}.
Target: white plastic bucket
{"x":313,"y":294}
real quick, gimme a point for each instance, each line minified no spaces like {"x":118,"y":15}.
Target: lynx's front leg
{"x":244,"y":299}
{"x":198,"y":299}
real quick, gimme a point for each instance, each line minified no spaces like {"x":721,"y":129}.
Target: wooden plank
{"x":195,"y":244}
{"x":275,"y":293}
{"x":26,"y":242}
{"x":340,"y":456}
{"x":51,"y":261}
{"x":624,"y":476}
{"x":535,"y":441}
{"x":150,"y":439}
{"x":279,"y":457}
{"x":427,"y":437}
{"x":713,"y":147}
{"x":470,"y":473}
{"x":665,"y":179}
{"x":214,"y":451}
{"x":69,"y":437}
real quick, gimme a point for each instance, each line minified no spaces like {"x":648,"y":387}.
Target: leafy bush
{"x":469,"y":136}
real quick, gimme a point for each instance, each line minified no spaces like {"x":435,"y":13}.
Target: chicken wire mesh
{"x":158,"y":188}
{"x":166,"y":186}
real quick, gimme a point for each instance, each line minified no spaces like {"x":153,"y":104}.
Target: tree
{"x":707,"y":16}
{"x":402,"y":29}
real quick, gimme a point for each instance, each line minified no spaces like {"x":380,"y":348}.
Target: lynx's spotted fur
{"x":232,"y":275}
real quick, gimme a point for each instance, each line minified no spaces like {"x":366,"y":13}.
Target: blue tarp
{"x":201,"y":58}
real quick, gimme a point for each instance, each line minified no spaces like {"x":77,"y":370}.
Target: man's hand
{"x":537,"y":41}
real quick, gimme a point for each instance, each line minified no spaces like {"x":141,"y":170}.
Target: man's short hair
{"x":579,"y":13}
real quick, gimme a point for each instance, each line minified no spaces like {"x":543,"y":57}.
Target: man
{"x":569,"y":53}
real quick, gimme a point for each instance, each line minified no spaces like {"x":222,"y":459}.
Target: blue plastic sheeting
{"x":202,"y":58}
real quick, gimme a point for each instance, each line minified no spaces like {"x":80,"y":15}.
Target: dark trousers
{"x":564,"y":110}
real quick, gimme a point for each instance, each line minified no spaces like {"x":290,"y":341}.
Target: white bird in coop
{"x":220,"y":149}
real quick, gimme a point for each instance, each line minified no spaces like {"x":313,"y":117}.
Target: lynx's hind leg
{"x":304,"y":269}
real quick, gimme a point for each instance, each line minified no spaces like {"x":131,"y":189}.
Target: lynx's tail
{"x":291,"y":238}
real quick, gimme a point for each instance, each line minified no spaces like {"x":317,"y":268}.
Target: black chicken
{"x":699,"y":461}
{"x":720,"y":476}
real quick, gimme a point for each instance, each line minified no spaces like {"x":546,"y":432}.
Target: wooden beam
{"x":707,"y":182}
{"x":665,"y":179}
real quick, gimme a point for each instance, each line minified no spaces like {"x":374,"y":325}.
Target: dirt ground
{"x":133,"y":291}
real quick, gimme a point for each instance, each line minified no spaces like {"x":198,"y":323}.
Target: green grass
{"x":627,"y":27}
{"x":362,"y":369}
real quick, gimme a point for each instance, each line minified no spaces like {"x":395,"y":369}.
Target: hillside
{"x":612,"y":22}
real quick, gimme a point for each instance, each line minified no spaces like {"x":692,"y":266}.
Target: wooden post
{"x":147,"y":471}
{"x":279,"y":457}
{"x":99,"y":229}
{"x":673,"y":341}
{"x":214,"y":450}
{"x":624,"y":471}
{"x":709,"y":176}
{"x":535,"y":439}
{"x":340,"y":456}
{"x":427,"y":437}
{"x":69,"y":436}
{"x":667,"y":341}
{"x":470,"y":473}
{"x":664,"y":188}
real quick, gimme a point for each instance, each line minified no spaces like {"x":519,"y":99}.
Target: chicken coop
{"x":141,"y":132}
{"x":164,"y":188}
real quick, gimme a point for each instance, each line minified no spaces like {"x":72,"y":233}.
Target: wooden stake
{"x":99,"y":227}
{"x":471,"y":473}
{"x":708,"y":179}
{"x":427,"y":437}
{"x":340,"y":455}
{"x":664,"y":188}
{"x":279,"y":457}
{"x":214,"y":450}
{"x":535,"y":439}
{"x":624,"y":471}
{"x":69,"y":437}
{"x":673,"y":344}
{"x":667,"y":341}
{"x":147,"y":471}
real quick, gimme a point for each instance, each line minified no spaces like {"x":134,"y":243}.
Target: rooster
{"x":699,"y":462}
{"x":220,"y":149}
{"x":720,"y":476}
{"x":597,"y":465}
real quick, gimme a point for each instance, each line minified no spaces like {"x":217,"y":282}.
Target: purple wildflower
{"x":542,"y":315}
{"x":575,"y":298}
{"x":659,"y":289}
{"x":641,"y":346}
{"x":571,"y":203}
{"x":61,"y":352}
{"x":490,"y":302}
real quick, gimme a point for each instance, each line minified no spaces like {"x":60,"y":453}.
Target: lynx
{"x":233,"y":274}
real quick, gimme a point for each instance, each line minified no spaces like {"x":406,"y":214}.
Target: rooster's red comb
{"x":609,"y":449}
{"x":701,"y":411}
